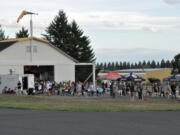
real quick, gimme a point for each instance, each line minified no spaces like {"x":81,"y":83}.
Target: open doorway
{"x":43,"y":73}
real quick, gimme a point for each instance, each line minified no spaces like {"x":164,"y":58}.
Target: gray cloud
{"x":102,"y":20}
{"x":172,"y":1}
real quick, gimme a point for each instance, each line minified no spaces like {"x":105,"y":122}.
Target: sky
{"x":119,"y":30}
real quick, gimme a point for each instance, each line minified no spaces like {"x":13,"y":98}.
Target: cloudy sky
{"x":124,"y":30}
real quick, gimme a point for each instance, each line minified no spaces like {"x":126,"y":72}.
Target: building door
{"x":41,"y":73}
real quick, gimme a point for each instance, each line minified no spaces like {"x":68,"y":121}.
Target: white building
{"x":45,"y":61}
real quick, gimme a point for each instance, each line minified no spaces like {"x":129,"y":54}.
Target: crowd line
{"x":112,"y":88}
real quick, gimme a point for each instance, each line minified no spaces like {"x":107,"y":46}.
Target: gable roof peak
{"x":23,"y":39}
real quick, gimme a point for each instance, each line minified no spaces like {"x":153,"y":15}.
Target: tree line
{"x":140,"y":65}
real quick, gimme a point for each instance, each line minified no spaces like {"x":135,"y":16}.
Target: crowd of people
{"x":141,"y":90}
{"x":112,"y":88}
{"x":54,"y":88}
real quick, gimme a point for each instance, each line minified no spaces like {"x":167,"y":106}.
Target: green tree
{"x":121,"y":65}
{"x":158,"y":65}
{"x":71,"y":39}
{"x":135,"y":65}
{"x":163,"y":64}
{"x":153,"y":64}
{"x":132,"y":65}
{"x":117,"y":66}
{"x":58,"y":32}
{"x":124,"y":65}
{"x":128,"y":65}
{"x":109,"y":66}
{"x":176,"y":64}
{"x":144,"y":64}
{"x":139,"y":64}
{"x":105,"y":65}
{"x":148,"y":64}
{"x":2,"y":34}
{"x":168,"y":64}
{"x":22,"y":33}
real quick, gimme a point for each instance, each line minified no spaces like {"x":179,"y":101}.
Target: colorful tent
{"x":132,"y":77}
{"x":113,"y":76}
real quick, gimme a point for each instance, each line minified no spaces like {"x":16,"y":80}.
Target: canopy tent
{"x":110,"y":76}
{"x":172,"y":78}
{"x":132,"y":77}
{"x":113,"y":76}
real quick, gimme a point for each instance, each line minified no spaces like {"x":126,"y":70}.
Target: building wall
{"x":16,"y":56}
{"x":45,"y":55}
{"x":5,"y":69}
{"x":64,"y":73}
{"x":160,"y":74}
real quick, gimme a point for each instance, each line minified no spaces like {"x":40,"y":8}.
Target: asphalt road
{"x":29,"y":122}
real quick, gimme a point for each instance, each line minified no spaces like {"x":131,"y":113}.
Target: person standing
{"x":79,"y":88}
{"x":132,"y":91}
{"x":173,"y":90}
{"x":124,"y":89}
{"x":115,"y":89}
{"x":111,"y":88}
{"x":162,"y":90}
{"x":140,"y":91}
{"x":19,"y":88}
{"x":179,"y":89}
{"x":120,"y":88}
{"x":156,"y":89}
{"x":168,"y":90}
{"x":91,"y":87}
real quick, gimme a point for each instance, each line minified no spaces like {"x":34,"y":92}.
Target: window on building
{"x":35,"y":49}
{"x":28,"y":49}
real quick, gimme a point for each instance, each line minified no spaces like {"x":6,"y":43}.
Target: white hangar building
{"x":45,"y":61}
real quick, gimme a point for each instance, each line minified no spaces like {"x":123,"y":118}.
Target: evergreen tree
{"x":135,"y":65}
{"x":105,"y":65}
{"x":116,"y":66}
{"x":171,"y":63}
{"x":109,"y":66}
{"x":128,"y":65}
{"x":168,"y":64}
{"x":22,"y":33}
{"x":121,"y":65}
{"x":153,"y":64}
{"x":97,"y":65}
{"x":163,"y":64}
{"x":124,"y":65}
{"x":101,"y":65}
{"x":132,"y":66}
{"x":144,"y":64}
{"x":58,"y":32}
{"x":148,"y":64}
{"x":158,"y":65}
{"x":2,"y":34}
{"x":139,"y":64}
{"x":71,"y":39}
{"x":112,"y":66}
{"x":176,"y":64}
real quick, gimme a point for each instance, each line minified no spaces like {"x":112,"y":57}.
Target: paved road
{"x":26,"y":122}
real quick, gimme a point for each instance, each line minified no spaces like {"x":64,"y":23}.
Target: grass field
{"x":85,"y":104}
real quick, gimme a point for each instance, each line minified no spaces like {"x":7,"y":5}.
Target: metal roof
{"x":4,"y":45}
{"x":23,"y":39}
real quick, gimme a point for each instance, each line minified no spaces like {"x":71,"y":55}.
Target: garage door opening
{"x":41,"y":73}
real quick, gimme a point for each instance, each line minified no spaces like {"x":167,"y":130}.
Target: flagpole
{"x":31,"y":34}
{"x":31,"y":26}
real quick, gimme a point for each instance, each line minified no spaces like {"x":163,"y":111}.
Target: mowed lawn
{"x":85,"y":104}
